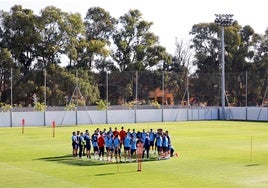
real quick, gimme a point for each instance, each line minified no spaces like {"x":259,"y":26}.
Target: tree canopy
{"x":100,"y":45}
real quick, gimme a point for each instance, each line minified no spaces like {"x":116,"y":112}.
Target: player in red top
{"x":101,"y":146}
{"x":115,"y":132}
{"x":122,"y":135}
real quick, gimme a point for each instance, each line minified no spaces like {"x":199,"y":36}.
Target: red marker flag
{"x":53,"y":127}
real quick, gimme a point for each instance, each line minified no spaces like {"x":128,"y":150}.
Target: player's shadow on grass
{"x":251,"y":165}
{"x":70,"y":160}
{"x":76,"y":161}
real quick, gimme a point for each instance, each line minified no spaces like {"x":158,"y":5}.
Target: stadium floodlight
{"x":223,"y":20}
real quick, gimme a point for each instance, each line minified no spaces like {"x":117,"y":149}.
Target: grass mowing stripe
{"x":22,"y":177}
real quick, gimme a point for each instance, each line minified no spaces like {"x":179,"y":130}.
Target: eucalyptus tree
{"x":5,"y":73}
{"x":239,"y":53}
{"x":75,"y":30}
{"x":64,"y":86}
{"x":258,"y":74}
{"x":180,"y":70}
{"x":52,"y":36}
{"x":206,"y":45}
{"x":261,"y":59}
{"x":99,"y":25}
{"x":20,"y":35}
{"x":60,"y":35}
{"x":5,"y":67}
{"x":135,"y":47}
{"x":241,"y":50}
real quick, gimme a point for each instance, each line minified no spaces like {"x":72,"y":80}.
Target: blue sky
{"x":171,"y":18}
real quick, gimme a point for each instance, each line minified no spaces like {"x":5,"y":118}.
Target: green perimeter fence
{"x":62,"y":88}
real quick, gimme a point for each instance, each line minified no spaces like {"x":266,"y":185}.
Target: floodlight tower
{"x":223,"y":20}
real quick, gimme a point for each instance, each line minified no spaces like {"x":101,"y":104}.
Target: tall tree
{"x":135,"y":47}
{"x":258,"y":74}
{"x":240,"y":50}
{"x":178,"y":78}
{"x":206,"y":45}
{"x":74,"y":41}
{"x":64,"y":85}
{"x":60,"y":35}
{"x":20,"y":35}
{"x":52,"y":35}
{"x":182,"y":58}
{"x":99,"y":26}
{"x":261,"y":58}
{"x":5,"y":73}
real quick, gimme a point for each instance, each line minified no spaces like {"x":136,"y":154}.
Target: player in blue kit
{"x":94,"y":139}
{"x":81,"y":143}
{"x":111,"y":147}
{"x":134,"y":134}
{"x":74,"y":144}
{"x":152,"y":139}
{"x":117,"y":151}
{"x":159,"y":143}
{"x":107,"y":137}
{"x":133,"y":147}
{"x":146,"y":146}
{"x":127,"y":147}
{"x":128,"y":133}
{"x":143,"y":135}
{"x":88,"y":144}
{"x":165,"y":146}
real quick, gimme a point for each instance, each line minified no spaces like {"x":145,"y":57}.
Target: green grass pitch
{"x":213,"y":154}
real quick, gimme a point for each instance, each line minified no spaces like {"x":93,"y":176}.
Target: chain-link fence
{"x":75,"y":89}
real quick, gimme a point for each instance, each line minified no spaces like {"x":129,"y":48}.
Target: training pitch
{"x":210,"y":154}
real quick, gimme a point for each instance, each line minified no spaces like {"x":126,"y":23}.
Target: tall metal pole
{"x":107,"y":95}
{"x":107,"y":88}
{"x":11,"y":88}
{"x":136,"y":90}
{"x":223,"y":20}
{"x":222,"y":74}
{"x":163,"y":91}
{"x":11,"y":97}
{"x":136,"y":96}
{"x":188,"y":97}
{"x":246,"y":88}
{"x":76,"y":90}
{"x":45,"y":85}
{"x":163,"y":94}
{"x":45,"y":94}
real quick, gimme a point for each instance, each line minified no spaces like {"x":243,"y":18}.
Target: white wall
{"x":30,"y":118}
{"x":130,"y":116}
{"x":61,"y":117}
{"x":5,"y":119}
{"x":237,"y":113}
{"x":151,"y":115}
{"x":91,"y":117}
{"x":258,"y":114}
{"x":121,"y":116}
{"x":175,"y":114}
